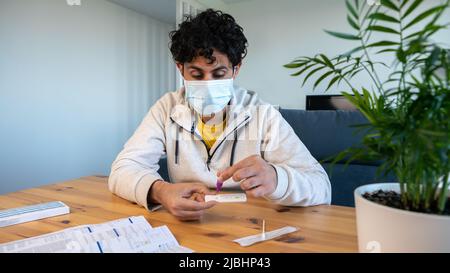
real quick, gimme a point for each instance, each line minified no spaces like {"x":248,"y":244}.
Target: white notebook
{"x":24,"y":214}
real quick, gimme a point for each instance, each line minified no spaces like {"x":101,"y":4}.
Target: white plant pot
{"x":385,"y":229}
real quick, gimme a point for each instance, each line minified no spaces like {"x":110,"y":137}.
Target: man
{"x":213,"y":131}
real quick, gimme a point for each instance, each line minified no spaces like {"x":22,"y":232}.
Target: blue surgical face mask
{"x":209,"y":97}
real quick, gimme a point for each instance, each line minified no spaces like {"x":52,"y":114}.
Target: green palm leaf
{"x":351,"y":9}
{"x":382,"y":43}
{"x":321,"y":78}
{"x":342,"y":35}
{"x":383,"y":29}
{"x":352,"y":23}
{"x":312,"y":73}
{"x":424,"y":15}
{"x":383,"y":17}
{"x":389,"y":4}
{"x":332,"y":82}
{"x":294,"y":65}
{"x":327,"y":61}
{"x":304,"y":69}
{"x":411,"y":8}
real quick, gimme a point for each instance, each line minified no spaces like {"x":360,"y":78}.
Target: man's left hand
{"x":257,"y":177}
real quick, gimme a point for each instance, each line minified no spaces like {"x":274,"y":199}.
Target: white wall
{"x":279,"y":31}
{"x":215,"y":4}
{"x":74,"y":84}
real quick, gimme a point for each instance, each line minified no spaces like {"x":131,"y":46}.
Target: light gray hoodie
{"x":252,"y":128}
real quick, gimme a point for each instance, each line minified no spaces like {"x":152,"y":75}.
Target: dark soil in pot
{"x":393,"y":199}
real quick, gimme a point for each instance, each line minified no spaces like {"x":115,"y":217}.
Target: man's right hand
{"x":184,"y":200}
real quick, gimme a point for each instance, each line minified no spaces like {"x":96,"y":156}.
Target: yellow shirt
{"x":210,"y":132}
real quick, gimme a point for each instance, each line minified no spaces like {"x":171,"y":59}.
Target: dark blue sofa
{"x":326,"y":133}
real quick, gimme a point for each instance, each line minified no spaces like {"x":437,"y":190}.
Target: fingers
{"x":197,"y":192}
{"x":250,"y":183}
{"x":229,"y":172}
{"x":187,"y":190}
{"x":189,"y":210}
{"x":197,"y":197}
{"x":244,"y":173}
{"x":257,"y":192}
{"x":210,"y":192}
{"x":190,"y":205}
{"x":205,"y":191}
{"x":199,"y":188}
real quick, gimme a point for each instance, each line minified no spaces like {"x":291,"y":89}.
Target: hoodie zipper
{"x":208,"y":161}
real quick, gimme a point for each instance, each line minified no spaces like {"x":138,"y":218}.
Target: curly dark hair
{"x":208,"y":31}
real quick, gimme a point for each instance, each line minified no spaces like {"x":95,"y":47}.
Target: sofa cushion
{"x":328,"y":132}
{"x":345,"y":179}
{"x":163,"y":170}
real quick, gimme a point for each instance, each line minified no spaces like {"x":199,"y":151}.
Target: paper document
{"x":127,"y":235}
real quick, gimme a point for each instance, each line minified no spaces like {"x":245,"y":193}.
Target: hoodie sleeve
{"x":136,"y":167}
{"x":301,"y":180}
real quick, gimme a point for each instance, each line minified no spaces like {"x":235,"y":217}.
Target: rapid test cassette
{"x":227,"y":198}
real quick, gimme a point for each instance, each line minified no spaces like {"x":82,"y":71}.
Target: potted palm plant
{"x":408,"y":115}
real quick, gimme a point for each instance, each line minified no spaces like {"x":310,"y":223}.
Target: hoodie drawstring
{"x":233,"y":148}
{"x":177,"y":145}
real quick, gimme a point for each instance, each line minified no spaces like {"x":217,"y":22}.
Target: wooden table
{"x":322,"y":228}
